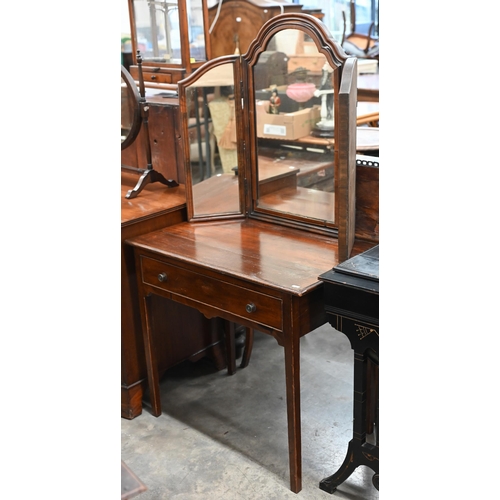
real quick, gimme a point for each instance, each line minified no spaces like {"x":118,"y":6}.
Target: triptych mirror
{"x":271,"y":134}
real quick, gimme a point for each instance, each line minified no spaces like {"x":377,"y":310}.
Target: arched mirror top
{"x":306,"y":23}
{"x":130,"y":109}
{"x":208,"y":100}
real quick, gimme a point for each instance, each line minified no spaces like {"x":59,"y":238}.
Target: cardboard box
{"x":288,"y":126}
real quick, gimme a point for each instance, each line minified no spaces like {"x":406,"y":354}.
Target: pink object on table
{"x":300,"y":92}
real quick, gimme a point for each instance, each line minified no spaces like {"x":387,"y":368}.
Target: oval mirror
{"x":130,"y":109}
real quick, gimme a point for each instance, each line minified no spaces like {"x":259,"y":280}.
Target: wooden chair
{"x":359,"y":42}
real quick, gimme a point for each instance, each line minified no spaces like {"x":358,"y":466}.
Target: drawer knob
{"x":251,"y":308}
{"x":162,"y":277}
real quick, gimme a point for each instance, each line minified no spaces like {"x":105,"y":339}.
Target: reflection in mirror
{"x":130,"y":109}
{"x":295,"y":122}
{"x":213,"y":155}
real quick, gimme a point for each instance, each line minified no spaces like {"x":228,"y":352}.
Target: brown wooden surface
{"x":367,"y":201}
{"x":300,"y":200}
{"x":219,"y":193}
{"x":192,"y":335}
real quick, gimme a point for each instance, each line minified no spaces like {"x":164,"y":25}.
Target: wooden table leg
{"x":229,"y":332}
{"x":151,"y":362}
{"x":292,"y":372}
{"x":247,"y":351}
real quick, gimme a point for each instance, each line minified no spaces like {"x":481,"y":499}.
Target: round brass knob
{"x":251,"y":308}
{"x":162,"y":277}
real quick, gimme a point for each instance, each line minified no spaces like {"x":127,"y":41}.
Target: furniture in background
{"x":351,"y":294}
{"x":172,"y":36}
{"x":360,"y":40}
{"x":138,"y":100}
{"x":164,"y":136}
{"x":235,"y":23}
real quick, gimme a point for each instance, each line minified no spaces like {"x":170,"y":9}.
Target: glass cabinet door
{"x":158,"y":30}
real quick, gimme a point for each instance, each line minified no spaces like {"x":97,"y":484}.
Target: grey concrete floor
{"x":225,"y":437}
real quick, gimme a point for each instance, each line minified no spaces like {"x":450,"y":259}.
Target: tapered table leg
{"x":292,"y":372}
{"x":151,"y":363}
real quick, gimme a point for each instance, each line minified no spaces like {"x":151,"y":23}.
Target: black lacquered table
{"x":352,"y":306}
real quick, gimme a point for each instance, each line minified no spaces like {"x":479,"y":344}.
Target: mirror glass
{"x":158,"y":30}
{"x":213,"y":153}
{"x":130,"y":109}
{"x":294,"y":92}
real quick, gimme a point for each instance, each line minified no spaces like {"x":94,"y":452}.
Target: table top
{"x":360,"y":271}
{"x":274,"y":256}
{"x":154,"y":199}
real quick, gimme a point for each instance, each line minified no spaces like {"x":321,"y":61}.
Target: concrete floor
{"x":225,"y":437}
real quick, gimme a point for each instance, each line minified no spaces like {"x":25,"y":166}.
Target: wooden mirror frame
{"x":133,"y":94}
{"x":344,"y":147}
{"x":344,"y":139}
{"x":193,"y":80}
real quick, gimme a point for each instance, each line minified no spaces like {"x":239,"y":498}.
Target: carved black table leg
{"x":351,"y":304}
{"x":359,"y":451}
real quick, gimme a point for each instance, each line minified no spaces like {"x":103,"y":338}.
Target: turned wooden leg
{"x":247,"y":351}
{"x":151,"y":363}
{"x":292,"y":372}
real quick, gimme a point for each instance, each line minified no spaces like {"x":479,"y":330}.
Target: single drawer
{"x":158,"y":77}
{"x":151,"y":74}
{"x":220,"y":295}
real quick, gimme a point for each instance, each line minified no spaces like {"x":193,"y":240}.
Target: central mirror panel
{"x":210,"y":140}
{"x":294,"y":108}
